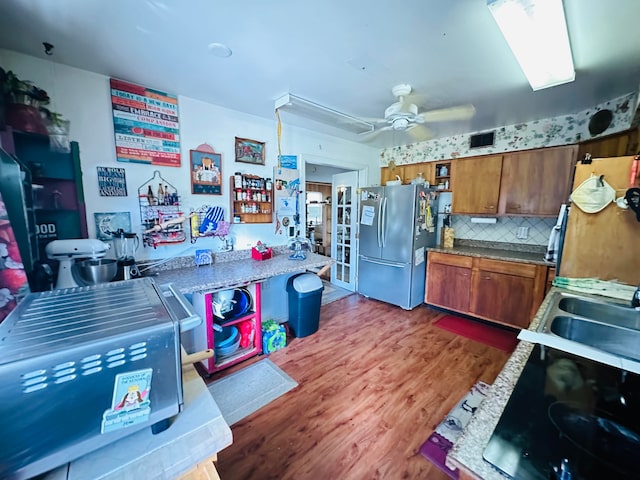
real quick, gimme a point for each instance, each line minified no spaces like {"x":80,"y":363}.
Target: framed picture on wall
{"x":206,"y":173}
{"x":249,"y":151}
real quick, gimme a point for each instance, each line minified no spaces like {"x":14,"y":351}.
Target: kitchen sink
{"x":609,"y":338}
{"x":607,"y":331}
{"x":607,"y":312}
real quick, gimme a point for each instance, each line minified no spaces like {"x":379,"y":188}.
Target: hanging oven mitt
{"x":593,"y":195}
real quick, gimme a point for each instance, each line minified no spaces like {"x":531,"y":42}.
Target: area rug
{"x":480,"y":332}
{"x":437,"y":446}
{"x":246,"y":391}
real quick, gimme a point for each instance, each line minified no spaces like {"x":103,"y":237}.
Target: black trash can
{"x":305,"y":296}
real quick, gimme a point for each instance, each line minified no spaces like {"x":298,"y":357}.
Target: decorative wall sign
{"x":206,"y":172}
{"x":289,"y":161}
{"x":112,"y":182}
{"x":145,"y":124}
{"x":249,"y":151}
{"x":109,"y":223}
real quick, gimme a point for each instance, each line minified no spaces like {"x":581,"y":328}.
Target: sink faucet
{"x":635,"y":300}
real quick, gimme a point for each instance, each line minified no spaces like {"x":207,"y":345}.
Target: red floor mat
{"x":480,"y":332}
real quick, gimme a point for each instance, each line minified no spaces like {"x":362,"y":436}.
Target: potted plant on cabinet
{"x":22,"y":101}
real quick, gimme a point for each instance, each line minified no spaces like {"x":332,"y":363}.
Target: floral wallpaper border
{"x":549,"y":132}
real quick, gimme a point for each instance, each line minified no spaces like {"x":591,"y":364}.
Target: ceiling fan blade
{"x":419,"y":133}
{"x":367,"y":137}
{"x":461,"y":112}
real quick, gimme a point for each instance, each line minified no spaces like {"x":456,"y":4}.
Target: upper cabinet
{"x":532,"y":182}
{"x":536,"y":182}
{"x":617,"y":145}
{"x":476,"y":184}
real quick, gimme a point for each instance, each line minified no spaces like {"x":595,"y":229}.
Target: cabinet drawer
{"x":509,"y":268}
{"x":450,"y":259}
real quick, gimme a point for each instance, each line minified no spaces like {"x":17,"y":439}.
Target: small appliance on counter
{"x":81,"y":262}
{"x":299,"y":245}
{"x":125,"y":245}
{"x":84,"y":367}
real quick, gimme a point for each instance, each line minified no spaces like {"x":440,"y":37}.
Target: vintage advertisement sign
{"x":145,"y":124}
{"x":112,"y":182}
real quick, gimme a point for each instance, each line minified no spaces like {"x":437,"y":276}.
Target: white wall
{"x":84,"y":98}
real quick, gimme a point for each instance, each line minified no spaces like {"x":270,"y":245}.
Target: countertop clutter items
{"x":85,"y":345}
{"x":261,"y":252}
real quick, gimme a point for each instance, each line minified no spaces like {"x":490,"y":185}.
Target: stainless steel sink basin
{"x":603,"y":330}
{"x":602,"y":311}
{"x":612,"y":339}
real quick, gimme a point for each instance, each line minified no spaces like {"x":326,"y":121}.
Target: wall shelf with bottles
{"x":251,"y":199}
{"x":442,"y":176}
{"x":160,"y":213}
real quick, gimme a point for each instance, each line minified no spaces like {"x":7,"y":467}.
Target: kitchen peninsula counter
{"x":466,"y":454}
{"x":235,"y":269}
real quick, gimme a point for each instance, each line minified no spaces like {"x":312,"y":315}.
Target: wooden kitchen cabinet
{"x":448,"y":281}
{"x":507,"y":292}
{"x":476,"y":184}
{"x":536,"y":182}
{"x":389,"y":173}
{"x":500,"y":291}
{"x":617,"y":145}
{"x":411,"y":171}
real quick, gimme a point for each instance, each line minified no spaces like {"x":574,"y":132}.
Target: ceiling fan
{"x":403,"y":116}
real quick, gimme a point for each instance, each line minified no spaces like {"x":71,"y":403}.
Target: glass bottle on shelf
{"x":150,"y":197}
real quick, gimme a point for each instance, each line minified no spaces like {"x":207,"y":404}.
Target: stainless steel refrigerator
{"x":396,"y":225}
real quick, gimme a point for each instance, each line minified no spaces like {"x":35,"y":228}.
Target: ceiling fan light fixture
{"x":400,"y":123}
{"x":536,"y":32}
{"x":319,"y":113}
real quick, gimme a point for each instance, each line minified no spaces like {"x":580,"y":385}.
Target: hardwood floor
{"x":374,"y":382}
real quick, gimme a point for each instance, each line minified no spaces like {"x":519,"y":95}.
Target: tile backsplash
{"x":505,"y":230}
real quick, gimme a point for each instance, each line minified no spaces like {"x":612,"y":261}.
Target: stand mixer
{"x":67,"y":252}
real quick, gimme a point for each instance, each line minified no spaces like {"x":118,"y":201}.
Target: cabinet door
{"x":536,"y":182}
{"x":411,"y":171}
{"x":388,"y":173}
{"x":507,"y":292}
{"x":449,"y":285}
{"x":476,"y":184}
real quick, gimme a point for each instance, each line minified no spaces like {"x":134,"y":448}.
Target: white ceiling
{"x":344,"y":54}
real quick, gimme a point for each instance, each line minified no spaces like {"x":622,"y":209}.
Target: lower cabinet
{"x":248,"y":323}
{"x":500,"y":291}
{"x":448,"y":281}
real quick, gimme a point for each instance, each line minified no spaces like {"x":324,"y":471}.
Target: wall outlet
{"x":522,"y":233}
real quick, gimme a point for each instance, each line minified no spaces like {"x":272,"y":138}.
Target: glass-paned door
{"x":343,"y":229}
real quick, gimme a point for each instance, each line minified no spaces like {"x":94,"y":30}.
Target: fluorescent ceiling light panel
{"x":305,"y":108}
{"x":536,"y":31}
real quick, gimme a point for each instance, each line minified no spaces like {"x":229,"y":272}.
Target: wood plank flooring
{"x":374,"y":382}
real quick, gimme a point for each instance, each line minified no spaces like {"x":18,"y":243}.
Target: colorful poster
{"x":112,"y":182}
{"x":145,"y":124}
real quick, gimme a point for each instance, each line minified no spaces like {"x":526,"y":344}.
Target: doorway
{"x":344,"y":222}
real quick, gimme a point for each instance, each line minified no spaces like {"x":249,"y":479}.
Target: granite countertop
{"x":240,"y":270}
{"x":466,"y":454}
{"x":198,"y":432}
{"x":533,"y":254}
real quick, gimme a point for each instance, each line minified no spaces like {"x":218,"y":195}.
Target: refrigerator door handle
{"x":380,"y":262}
{"x":384,"y":223}
{"x":379,"y":224}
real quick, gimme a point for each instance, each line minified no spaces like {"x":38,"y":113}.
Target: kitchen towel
{"x":440,"y":442}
